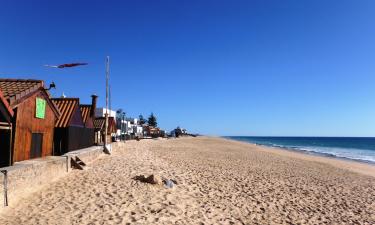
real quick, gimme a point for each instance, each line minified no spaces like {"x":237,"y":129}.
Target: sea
{"x":351,"y":148}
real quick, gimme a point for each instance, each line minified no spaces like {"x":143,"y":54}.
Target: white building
{"x":129,"y":126}
{"x":132,"y":127}
{"x":100,"y":112}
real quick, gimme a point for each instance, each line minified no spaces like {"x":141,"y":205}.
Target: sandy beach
{"x":219,"y":182}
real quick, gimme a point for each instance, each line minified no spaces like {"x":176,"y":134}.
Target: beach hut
{"x":32,"y":123}
{"x":100,"y":129}
{"x":68,"y":126}
{"x":88,"y":116}
{"x":74,"y":129}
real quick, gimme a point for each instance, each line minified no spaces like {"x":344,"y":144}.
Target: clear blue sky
{"x":304,"y":68}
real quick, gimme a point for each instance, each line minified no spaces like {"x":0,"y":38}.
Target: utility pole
{"x":120,"y":126}
{"x":110,"y":106}
{"x":106,"y":105}
{"x":123,"y":121}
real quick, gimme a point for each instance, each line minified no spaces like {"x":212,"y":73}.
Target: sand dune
{"x":219,"y":182}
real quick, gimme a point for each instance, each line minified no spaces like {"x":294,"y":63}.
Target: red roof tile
{"x":14,"y":89}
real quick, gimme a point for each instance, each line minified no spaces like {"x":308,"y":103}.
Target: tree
{"x":119,"y":117}
{"x":141,"y":120}
{"x":152,"y":120}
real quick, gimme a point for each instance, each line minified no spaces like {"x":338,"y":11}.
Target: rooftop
{"x":85,"y":111}
{"x":14,"y":89}
{"x":66,"y":107}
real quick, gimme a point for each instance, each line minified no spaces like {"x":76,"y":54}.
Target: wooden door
{"x":36,"y":145}
{"x":5,"y":150}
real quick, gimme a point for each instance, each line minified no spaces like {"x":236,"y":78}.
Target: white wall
{"x":100,"y":112}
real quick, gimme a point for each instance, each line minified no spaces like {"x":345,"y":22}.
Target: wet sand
{"x":219,"y":182}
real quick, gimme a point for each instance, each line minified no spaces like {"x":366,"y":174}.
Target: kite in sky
{"x":67,"y":65}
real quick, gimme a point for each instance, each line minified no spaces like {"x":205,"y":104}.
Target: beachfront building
{"x":88,"y":116}
{"x":133,"y":128}
{"x":100,"y":112}
{"x":150,"y":131}
{"x":112,"y":129}
{"x":121,"y":124}
{"x":99,"y":130}
{"x":99,"y":124}
{"x":138,"y":130}
{"x":74,"y":129}
{"x":32,"y":123}
{"x":67,"y":126}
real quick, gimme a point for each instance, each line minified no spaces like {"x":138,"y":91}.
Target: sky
{"x":216,"y":67}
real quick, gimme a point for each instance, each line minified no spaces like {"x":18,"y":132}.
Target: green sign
{"x":40,"y":108}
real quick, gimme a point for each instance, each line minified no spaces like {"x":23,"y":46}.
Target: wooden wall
{"x":90,"y":123}
{"x":76,"y":119}
{"x":72,"y":138}
{"x":26,"y":123}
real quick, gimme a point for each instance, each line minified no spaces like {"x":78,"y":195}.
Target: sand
{"x":219,"y":182}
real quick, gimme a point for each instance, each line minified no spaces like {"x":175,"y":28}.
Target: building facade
{"x":33,"y":120}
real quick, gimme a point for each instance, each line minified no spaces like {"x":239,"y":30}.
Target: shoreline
{"x":315,"y":153}
{"x":359,"y":166}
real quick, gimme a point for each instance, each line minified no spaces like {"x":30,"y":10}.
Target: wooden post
{"x":106,"y":106}
{"x":5,"y":184}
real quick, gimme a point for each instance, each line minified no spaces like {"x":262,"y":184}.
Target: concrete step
{"x":77,"y":163}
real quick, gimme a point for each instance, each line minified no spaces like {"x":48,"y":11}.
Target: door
{"x":5,"y":150}
{"x":36,"y":145}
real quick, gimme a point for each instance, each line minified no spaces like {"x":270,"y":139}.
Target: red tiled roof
{"x":66,"y":107}
{"x":14,"y":89}
{"x":85,"y":111}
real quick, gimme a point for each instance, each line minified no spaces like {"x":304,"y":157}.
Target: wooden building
{"x":99,"y":124}
{"x":99,"y":129}
{"x":32,"y":122}
{"x":88,"y":116}
{"x":74,"y":130}
{"x":67,"y":126}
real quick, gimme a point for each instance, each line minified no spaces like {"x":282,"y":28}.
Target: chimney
{"x":93,"y":104}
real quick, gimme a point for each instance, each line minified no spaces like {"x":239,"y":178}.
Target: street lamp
{"x":123,"y":121}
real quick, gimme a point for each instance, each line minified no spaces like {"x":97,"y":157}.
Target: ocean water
{"x":353,"y":148}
